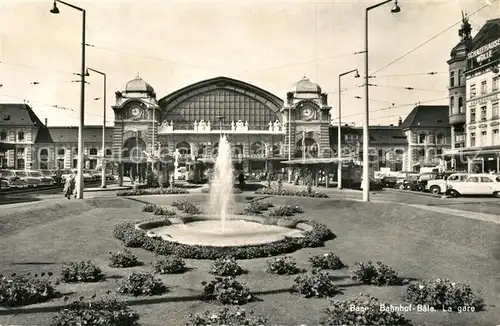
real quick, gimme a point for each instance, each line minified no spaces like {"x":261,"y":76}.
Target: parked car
{"x":410,"y":183}
{"x":402,"y":176}
{"x":50,"y":175}
{"x":30,"y":180}
{"x":476,"y":184}
{"x":44,"y":180}
{"x":4,"y":185}
{"x":13,"y":180}
{"x":438,"y":185}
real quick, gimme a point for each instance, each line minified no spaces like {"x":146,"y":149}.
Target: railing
{"x":209,"y":127}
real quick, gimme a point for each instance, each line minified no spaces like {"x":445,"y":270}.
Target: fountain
{"x":221,"y":190}
{"x":220,"y":228}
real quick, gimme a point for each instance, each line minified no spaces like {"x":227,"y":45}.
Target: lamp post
{"x":289,"y":143}
{"x":103,"y":176}
{"x":339,"y":135}
{"x":79,"y":180}
{"x":366,"y":138}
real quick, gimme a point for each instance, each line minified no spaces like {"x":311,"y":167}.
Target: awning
{"x":317,"y":161}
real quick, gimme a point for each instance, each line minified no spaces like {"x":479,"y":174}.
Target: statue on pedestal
{"x":270,"y":126}
{"x":195,"y":125}
{"x":277,"y":125}
{"x":239,"y":125}
{"x":201,"y":125}
{"x":233,"y":126}
{"x":246,"y":125}
{"x":209,"y":126}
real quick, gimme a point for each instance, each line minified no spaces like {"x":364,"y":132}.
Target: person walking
{"x":69,"y":186}
{"x":241,"y":179}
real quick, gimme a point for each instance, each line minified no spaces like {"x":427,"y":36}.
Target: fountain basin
{"x":239,"y":230}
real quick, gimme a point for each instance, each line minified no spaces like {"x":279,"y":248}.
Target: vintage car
{"x":438,"y":185}
{"x":30,"y":180}
{"x":4,"y":185}
{"x":44,"y":180}
{"x":50,"y":175}
{"x":476,"y":184}
{"x":12,"y":180}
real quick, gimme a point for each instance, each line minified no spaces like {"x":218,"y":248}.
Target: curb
{"x":106,"y":189}
{"x":418,"y":193}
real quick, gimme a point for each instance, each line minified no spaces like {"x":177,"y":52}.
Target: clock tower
{"x":307,"y":117}
{"x":137,"y":116}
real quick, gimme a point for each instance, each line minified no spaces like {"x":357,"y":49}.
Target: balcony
{"x":457,"y":118}
{"x":204,"y":127}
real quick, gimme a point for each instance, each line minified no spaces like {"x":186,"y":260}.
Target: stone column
{"x":120,"y":174}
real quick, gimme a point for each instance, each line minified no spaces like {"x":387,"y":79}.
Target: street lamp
{"x":366,"y":137}
{"x":103,"y":162}
{"x":79,"y":180}
{"x":339,"y":135}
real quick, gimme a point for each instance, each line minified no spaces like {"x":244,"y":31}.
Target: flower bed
{"x":152,"y":191}
{"x":326,"y":261}
{"x":170,"y":265}
{"x":285,"y":265}
{"x":102,"y":312}
{"x":314,"y":235}
{"x":141,"y":283}
{"x":21,"y":290}
{"x":226,"y":266}
{"x":186,"y":207}
{"x":227,"y":290}
{"x":290,"y":192}
{"x":81,"y":271}
{"x":379,"y":274}
{"x":317,"y":284}
{"x":123,"y":259}
{"x":236,"y":191}
{"x":446,"y":295}
{"x":227,"y":317}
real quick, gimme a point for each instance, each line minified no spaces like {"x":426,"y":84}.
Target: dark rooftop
{"x":427,"y":116}
{"x":18,"y":114}
{"x":48,"y":135}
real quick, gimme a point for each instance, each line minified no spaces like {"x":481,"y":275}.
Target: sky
{"x":270,"y":44}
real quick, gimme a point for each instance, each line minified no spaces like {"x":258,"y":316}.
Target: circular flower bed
{"x":314,"y":234}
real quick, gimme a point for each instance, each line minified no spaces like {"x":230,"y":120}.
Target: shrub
{"x":226,"y":290}
{"x":226,"y":266}
{"x":369,"y":313}
{"x":282,"y":265}
{"x":317,"y":284}
{"x":170,"y":265}
{"x":139,"y":283}
{"x":326,"y":261}
{"x":315,"y":237}
{"x":286,"y":211}
{"x":290,"y":192}
{"x":163,"y":210}
{"x":122,"y":259}
{"x":379,"y":274}
{"x":235,"y":190}
{"x":252,"y":209}
{"x":102,"y":312}
{"x":21,"y":290}
{"x":186,"y":207}
{"x":81,"y":271}
{"x":136,"y":191}
{"x":443,"y":294}
{"x":227,"y":317}
{"x":149,"y":208}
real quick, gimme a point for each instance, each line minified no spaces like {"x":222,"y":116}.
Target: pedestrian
{"x":69,"y":186}
{"x":241,"y":179}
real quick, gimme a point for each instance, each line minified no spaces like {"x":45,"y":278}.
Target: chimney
{"x":46,"y":122}
{"x":400,"y":121}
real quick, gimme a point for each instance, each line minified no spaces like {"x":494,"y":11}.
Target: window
{"x":484,"y":87}
{"x":460,"y":77}
{"x":6,"y":117}
{"x":421,"y":138}
{"x":472,"y":115}
{"x":473,"y":179}
{"x":440,"y":139}
{"x":452,"y":78}
{"x":93,"y":151}
{"x":494,"y":110}
{"x":460,"y":105}
{"x":20,"y":164}
{"x":483,"y":113}
{"x":109,"y":152}
{"x":483,"y":138}
{"x":3,"y":135}
{"x":44,"y":165}
{"x":20,"y":136}
{"x":495,"y":83}
{"x":75,"y":151}
{"x":452,"y":105}
{"x":60,"y":151}
{"x":495,"y":140}
{"x":60,"y":164}
{"x":472,"y":139}
{"x":472,"y":90}
{"x":485,"y":179}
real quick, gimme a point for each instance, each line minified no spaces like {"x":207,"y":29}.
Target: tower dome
{"x":305,"y":85}
{"x":138,"y":85}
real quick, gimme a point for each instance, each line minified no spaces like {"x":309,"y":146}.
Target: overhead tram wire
{"x":431,"y":39}
{"x":408,"y":88}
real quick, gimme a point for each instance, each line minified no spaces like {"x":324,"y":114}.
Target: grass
{"x":417,"y":243}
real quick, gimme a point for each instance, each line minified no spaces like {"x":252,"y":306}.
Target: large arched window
{"x":60,"y":151}
{"x":184,"y":148}
{"x":311,"y":148}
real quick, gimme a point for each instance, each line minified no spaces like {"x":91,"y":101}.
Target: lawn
{"x":417,"y":243}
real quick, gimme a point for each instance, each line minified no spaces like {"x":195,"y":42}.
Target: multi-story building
{"x":483,"y":89}
{"x":427,"y":131}
{"x":457,"y":93}
{"x":30,"y":144}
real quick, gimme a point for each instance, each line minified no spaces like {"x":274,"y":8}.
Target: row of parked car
{"x":451,"y":183}
{"x":10,"y":179}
